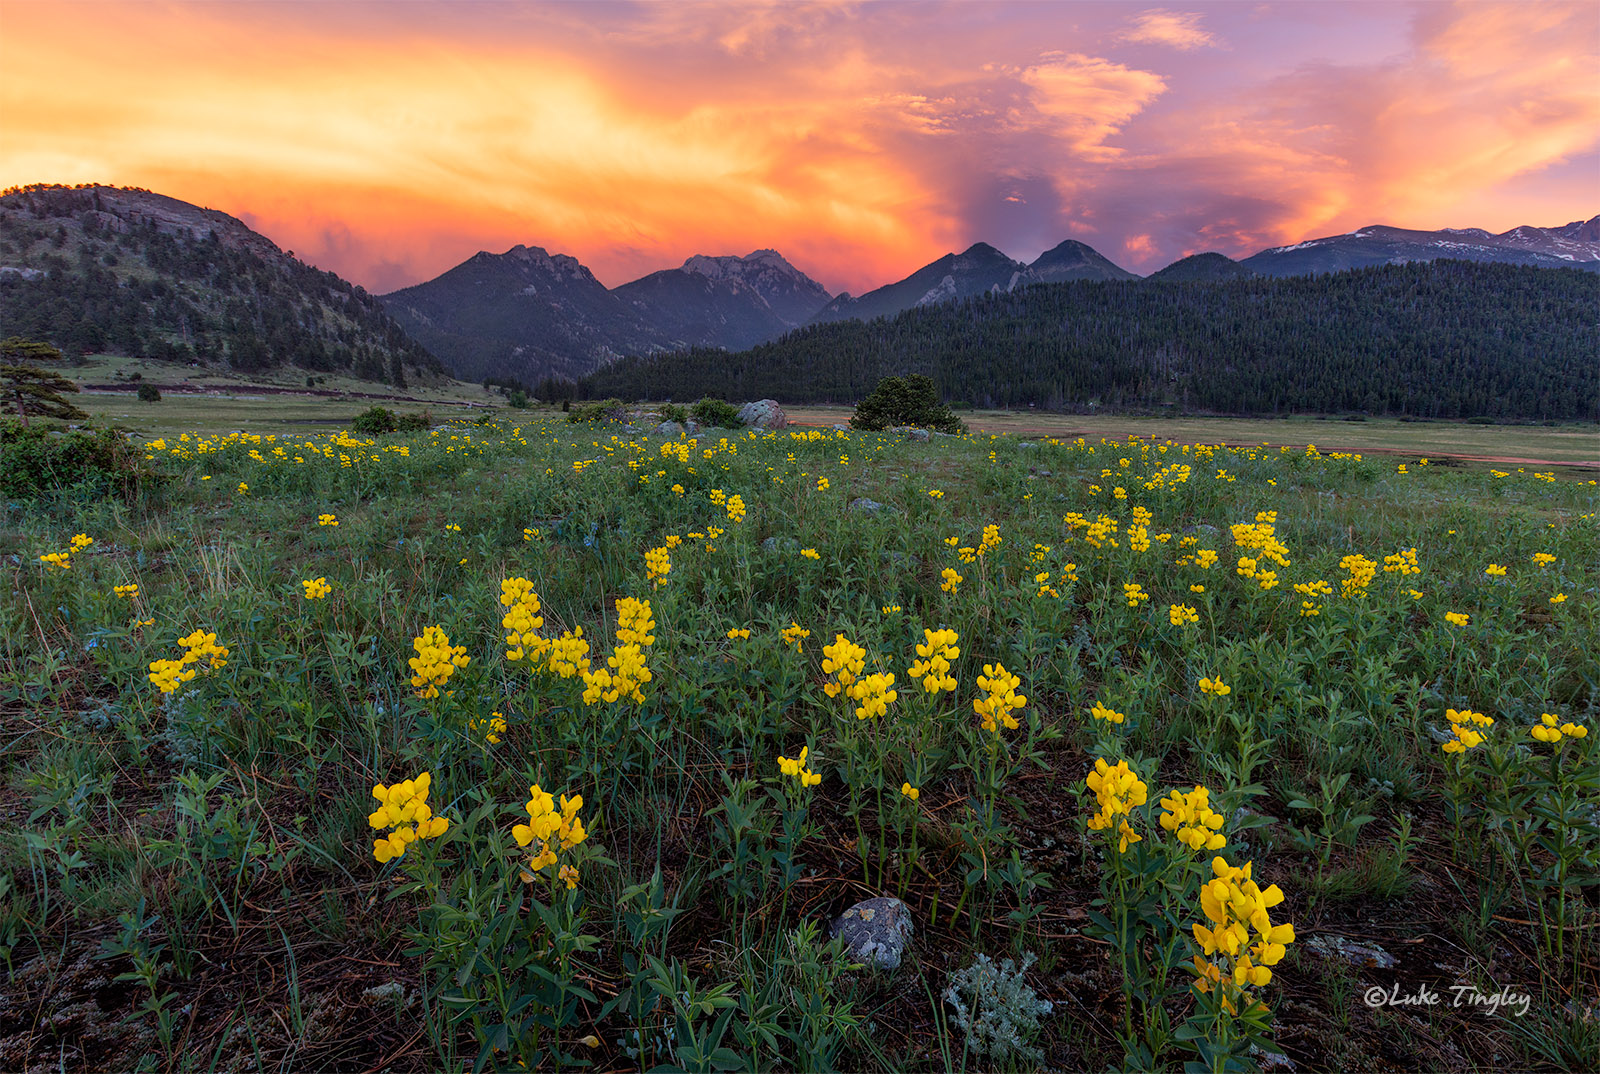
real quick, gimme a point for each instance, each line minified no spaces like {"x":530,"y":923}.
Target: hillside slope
{"x":100,"y":268}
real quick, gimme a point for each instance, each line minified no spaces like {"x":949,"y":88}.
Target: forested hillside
{"x":133,"y":272}
{"x":1446,"y":339}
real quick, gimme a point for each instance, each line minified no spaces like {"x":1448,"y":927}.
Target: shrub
{"x":39,"y":460}
{"x":413,"y":423}
{"x":672,"y":412}
{"x":912,"y":400}
{"x":149,"y":393}
{"x":374,"y":421}
{"x":518,"y":399}
{"x":723,"y":415}
{"x":996,"y":1009}
{"x":593,"y":413}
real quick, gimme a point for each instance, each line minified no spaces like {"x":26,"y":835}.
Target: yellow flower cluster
{"x":316,"y":588}
{"x":844,"y":660}
{"x":1314,"y":590}
{"x":404,"y":809}
{"x":551,"y":832}
{"x":624,"y":673}
{"x":1241,"y":931}
{"x":1495,"y":570}
{"x":1543,"y":559}
{"x":735,"y":506}
{"x":1462,"y":725}
{"x":1181,"y":614}
{"x":822,"y":484}
{"x":797,"y":768}
{"x":937,"y":494}
{"x":1206,"y":558}
{"x":910,"y":792}
{"x":951,"y":580}
{"x":1261,"y":537}
{"x":934,"y":655}
{"x":1000,"y":699}
{"x":1403,"y":562}
{"x":1134,"y":594}
{"x":740,"y":633}
{"x":873,"y":695}
{"x":1551,"y":729}
{"x":1456,"y":618}
{"x":794,"y":634}
{"x":635,"y":624}
{"x":522,"y":621}
{"x":127,"y":592}
{"x":810,"y":553}
{"x":199,"y":645}
{"x":1191,"y":818}
{"x":493,"y":726}
{"x":1216,"y":687}
{"x":1119,"y":790}
{"x":990,"y":540}
{"x":569,"y":654}
{"x":63,"y":560}
{"x":327,"y":520}
{"x":1100,"y":712}
{"x":657,"y":565}
{"x":435,"y":662}
{"x":1362,"y":571}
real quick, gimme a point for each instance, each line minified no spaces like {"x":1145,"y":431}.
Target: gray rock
{"x":911,"y":432}
{"x":669,"y":428}
{"x":876,"y":931}
{"x":691,"y":428}
{"x":901,"y":560}
{"x":1200,"y":527}
{"x":1027,"y":444}
{"x":764,"y":414}
{"x":1359,"y":954}
{"x":780,"y":544}
{"x":839,"y":427}
{"x":1272,"y":1061}
{"x":871,"y":507}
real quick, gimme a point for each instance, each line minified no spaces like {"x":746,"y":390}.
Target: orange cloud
{"x":1172,"y":28}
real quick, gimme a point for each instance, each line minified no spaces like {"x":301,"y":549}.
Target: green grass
{"x":1575,"y":445}
{"x":192,"y":874}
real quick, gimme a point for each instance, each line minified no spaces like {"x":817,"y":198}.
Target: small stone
{"x":876,"y":931}
{"x":1272,"y":1061}
{"x":780,"y":544}
{"x":691,"y":427}
{"x":839,"y":427}
{"x":1366,"y":955}
{"x":910,"y":432}
{"x":669,"y":428}
{"x":871,"y":507}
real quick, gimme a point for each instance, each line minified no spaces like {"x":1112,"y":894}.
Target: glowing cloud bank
{"x":389,"y":142}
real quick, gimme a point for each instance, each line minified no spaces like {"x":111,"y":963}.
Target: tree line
{"x":1442,"y":339}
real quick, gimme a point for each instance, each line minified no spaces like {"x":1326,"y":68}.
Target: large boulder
{"x":764,"y":414}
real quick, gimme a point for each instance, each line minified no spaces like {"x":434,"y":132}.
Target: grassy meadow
{"x":543,"y":745}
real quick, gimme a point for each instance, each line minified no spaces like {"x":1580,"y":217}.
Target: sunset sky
{"x":390,"y":141}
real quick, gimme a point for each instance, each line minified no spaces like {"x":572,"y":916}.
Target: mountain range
{"x":99,"y":267}
{"x":526,"y":314}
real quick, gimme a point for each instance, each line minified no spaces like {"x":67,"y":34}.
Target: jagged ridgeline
{"x":1445,"y":339}
{"x":108,"y":269}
